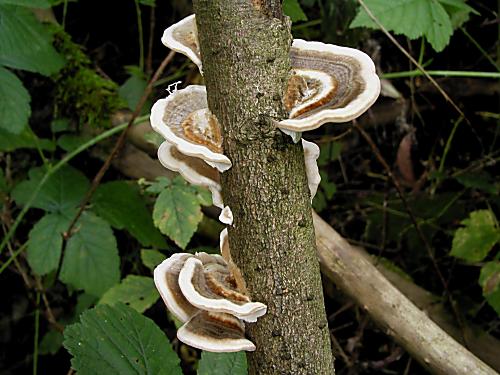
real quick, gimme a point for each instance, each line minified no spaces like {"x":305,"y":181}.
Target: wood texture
{"x":245,"y":54}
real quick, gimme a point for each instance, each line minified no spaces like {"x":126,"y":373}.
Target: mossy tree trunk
{"x":245,"y":51}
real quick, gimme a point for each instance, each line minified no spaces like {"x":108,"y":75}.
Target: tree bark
{"x":245,"y":53}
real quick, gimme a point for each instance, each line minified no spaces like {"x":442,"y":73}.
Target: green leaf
{"x":133,"y":88}
{"x":121,"y":205}
{"x":489,"y":279}
{"x":14,"y":103}
{"x":177,"y":212}
{"x":60,"y":125}
{"x":138,"y":292}
{"x":91,"y":259}
{"x":223,"y":364}
{"x":51,"y":342}
{"x":27,"y":3}
{"x":26,"y":139}
{"x":118,"y":340}
{"x":475,"y":240}
{"x":25,"y":43}
{"x":413,"y":18}
{"x":151,"y":258}
{"x":293,"y":10}
{"x":150,"y":3}
{"x":45,"y":242}
{"x":64,"y":190}
{"x":478,"y":180}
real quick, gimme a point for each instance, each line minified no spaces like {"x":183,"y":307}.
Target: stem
{"x":141,"y":34}
{"x":481,"y":49}
{"x":448,"y":143}
{"x":65,"y":11}
{"x":37,"y":331}
{"x":441,"y":73}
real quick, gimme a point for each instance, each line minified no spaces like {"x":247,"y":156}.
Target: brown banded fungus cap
{"x":215,"y":332}
{"x":194,"y":170}
{"x":214,"y":328}
{"x":182,"y":37}
{"x":184,"y":120}
{"x":212,"y":287}
{"x":328,"y":83}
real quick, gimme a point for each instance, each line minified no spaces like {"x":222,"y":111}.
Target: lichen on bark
{"x":245,"y":53}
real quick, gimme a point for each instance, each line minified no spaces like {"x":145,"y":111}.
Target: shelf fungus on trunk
{"x":184,"y":120}
{"x":215,"y":332}
{"x":202,"y":292}
{"x":328,"y":83}
{"x":182,"y":37}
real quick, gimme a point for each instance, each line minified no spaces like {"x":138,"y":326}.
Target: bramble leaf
{"x":138,"y":292}
{"x":121,"y":205}
{"x":151,"y":258}
{"x":474,"y":241}
{"x":64,"y":190}
{"x":45,"y":242}
{"x":293,"y":10}
{"x":223,"y":364}
{"x":91,"y":259}
{"x":25,"y":43}
{"x":413,"y":18}
{"x":177,"y":211}
{"x":14,"y":103}
{"x":118,"y":340}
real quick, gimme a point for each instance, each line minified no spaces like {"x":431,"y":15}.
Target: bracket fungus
{"x":215,"y":332}
{"x":328,"y":83}
{"x":201,"y":291}
{"x":184,"y":120}
{"x":182,"y":37}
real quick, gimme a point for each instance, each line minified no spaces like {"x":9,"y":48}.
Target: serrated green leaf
{"x":121,"y":205}
{"x":26,"y":139}
{"x":51,"y":342}
{"x":25,"y":43}
{"x":138,"y":292}
{"x":293,"y":10}
{"x":151,"y":258}
{"x":177,"y":212}
{"x":223,"y":364}
{"x":64,"y":190}
{"x":27,"y":3}
{"x":118,"y":340}
{"x":489,"y":280}
{"x":475,"y":240}
{"x":45,"y":242}
{"x":132,"y":90}
{"x":413,"y":18}
{"x":14,"y":103}
{"x":91,"y":260}
{"x":159,"y":185}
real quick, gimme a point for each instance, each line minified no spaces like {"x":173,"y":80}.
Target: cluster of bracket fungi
{"x":206,"y":292}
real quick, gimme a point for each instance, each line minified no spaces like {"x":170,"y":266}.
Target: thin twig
{"x":152,"y":24}
{"x":415,"y":223}
{"x":412,"y":59}
{"x":118,"y":145}
{"x":48,"y":310}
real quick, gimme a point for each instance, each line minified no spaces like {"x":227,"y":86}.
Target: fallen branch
{"x":356,"y":276}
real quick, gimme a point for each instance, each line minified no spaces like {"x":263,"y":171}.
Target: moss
{"x":81,"y":93}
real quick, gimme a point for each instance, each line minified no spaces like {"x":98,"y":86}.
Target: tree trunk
{"x":245,"y":52}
